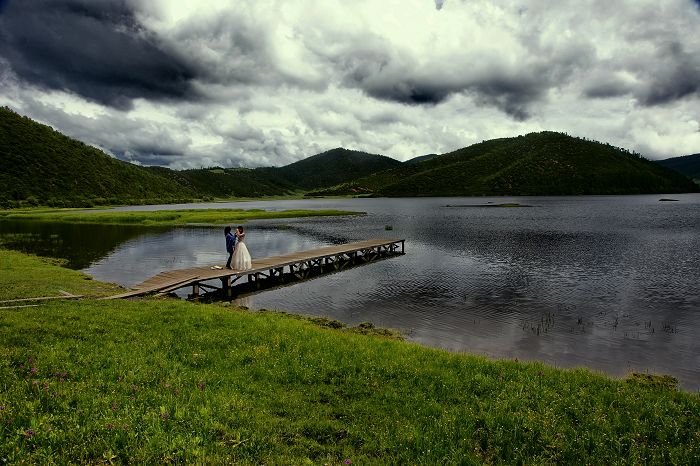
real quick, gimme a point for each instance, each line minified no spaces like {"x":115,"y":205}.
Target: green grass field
{"x":164,"y":217}
{"x":153,"y":381}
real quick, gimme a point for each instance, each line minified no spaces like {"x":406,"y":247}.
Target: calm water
{"x":606,"y":282}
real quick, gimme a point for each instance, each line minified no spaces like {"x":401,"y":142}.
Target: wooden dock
{"x":269,"y":271}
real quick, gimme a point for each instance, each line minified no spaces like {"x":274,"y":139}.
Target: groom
{"x":230,"y":245}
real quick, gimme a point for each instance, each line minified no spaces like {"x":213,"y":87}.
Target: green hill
{"x":230,"y":182}
{"x":689,"y":165}
{"x":41,"y":165}
{"x":333,"y":167}
{"x":544,"y":163}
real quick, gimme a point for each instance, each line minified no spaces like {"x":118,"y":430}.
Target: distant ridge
{"x":229,"y":182}
{"x":333,"y":167}
{"x":689,"y":165}
{"x":545,"y":163}
{"x":321,"y":170}
{"x":421,"y":158}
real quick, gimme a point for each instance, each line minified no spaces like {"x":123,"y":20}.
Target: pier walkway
{"x":269,"y":271}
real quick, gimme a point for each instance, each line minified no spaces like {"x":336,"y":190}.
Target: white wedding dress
{"x":241,"y":256}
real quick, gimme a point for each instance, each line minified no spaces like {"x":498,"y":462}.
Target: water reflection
{"x":148,"y":255}
{"x":80,"y":245}
{"x":602,"y":281}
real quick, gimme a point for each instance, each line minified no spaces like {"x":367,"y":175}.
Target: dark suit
{"x":230,"y":246}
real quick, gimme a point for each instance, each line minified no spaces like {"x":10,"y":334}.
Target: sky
{"x":188,"y":84}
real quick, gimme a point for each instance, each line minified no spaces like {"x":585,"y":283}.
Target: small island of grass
{"x":504,"y":204}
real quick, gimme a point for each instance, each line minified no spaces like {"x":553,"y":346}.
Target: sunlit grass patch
{"x":27,"y":276}
{"x":166,"y":217}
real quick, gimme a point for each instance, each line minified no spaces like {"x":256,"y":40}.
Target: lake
{"x":605,"y":282}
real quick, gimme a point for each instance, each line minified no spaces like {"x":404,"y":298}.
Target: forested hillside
{"x":230,"y":182}
{"x":544,"y":163}
{"x":689,"y":165}
{"x":42,"y":166}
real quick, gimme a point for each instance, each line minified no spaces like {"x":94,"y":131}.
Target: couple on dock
{"x":238,"y":255}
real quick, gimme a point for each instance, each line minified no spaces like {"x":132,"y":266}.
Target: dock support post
{"x":226,"y":286}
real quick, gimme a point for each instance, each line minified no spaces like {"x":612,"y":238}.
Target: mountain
{"x":545,"y":163}
{"x":689,"y":165}
{"x":318,"y":171}
{"x":40,"y":164}
{"x":333,"y":167}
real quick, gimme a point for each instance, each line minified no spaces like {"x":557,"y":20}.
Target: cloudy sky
{"x":268,"y":82}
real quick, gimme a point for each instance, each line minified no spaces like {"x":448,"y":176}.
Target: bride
{"x":241,"y":256}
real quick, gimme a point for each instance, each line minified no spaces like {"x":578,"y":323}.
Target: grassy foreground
{"x":24,"y":276}
{"x":169,"y":381}
{"x":164,"y":217}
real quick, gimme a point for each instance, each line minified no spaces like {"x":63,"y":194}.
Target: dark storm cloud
{"x":677,"y":75}
{"x":385,"y":75}
{"x":606,"y":88}
{"x":408,"y":91}
{"x":665,"y":69}
{"x":236,"y":52}
{"x":94,"y":48}
{"x":511,"y":83}
{"x":513,"y":97}
{"x":227,"y":49}
{"x":510,"y":94}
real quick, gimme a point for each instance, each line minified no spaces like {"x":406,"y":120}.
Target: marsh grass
{"x":165,"y":217}
{"x":170,"y":381}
